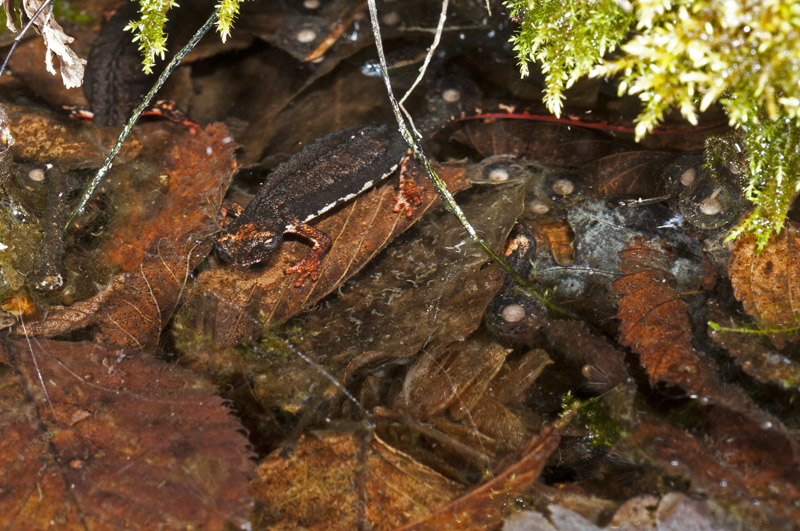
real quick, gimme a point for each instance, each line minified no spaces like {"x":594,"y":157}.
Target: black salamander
{"x":323,"y":175}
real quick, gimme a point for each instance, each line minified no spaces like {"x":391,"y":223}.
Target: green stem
{"x":448,"y":200}
{"x":126,"y":131}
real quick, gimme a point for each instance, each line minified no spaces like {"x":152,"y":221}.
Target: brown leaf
{"x":243,"y":302}
{"x":749,"y":470}
{"x":560,"y":239}
{"x":633,"y":174}
{"x":341,"y":481}
{"x":753,"y":356}
{"x":488,"y":504}
{"x":655,"y":322}
{"x":549,"y":144}
{"x":44,"y":138}
{"x":768,"y":283}
{"x":602,"y":364}
{"x":119,"y":439}
{"x":157,"y":242}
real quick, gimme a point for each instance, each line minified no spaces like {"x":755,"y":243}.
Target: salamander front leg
{"x":309,"y":266}
{"x":408,"y":195}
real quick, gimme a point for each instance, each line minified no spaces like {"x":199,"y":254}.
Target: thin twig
{"x":24,"y":30}
{"x":436,"y":38}
{"x":441,"y":188}
{"x":173,"y":64}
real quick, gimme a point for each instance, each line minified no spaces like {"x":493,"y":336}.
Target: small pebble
{"x":36,"y":175}
{"x":451,"y":95}
{"x":306,"y":35}
{"x":498,"y":175}
{"x":563,"y":187}
{"x":513,"y":313}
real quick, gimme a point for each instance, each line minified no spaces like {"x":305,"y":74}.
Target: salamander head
{"x":246,"y":245}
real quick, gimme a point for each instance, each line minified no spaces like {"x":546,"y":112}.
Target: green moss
{"x":594,"y":415}
{"x":18,"y":252}
{"x":568,"y":38}
{"x":149,"y":29}
{"x":688,"y":54}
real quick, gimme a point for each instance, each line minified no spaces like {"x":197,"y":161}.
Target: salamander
{"x":323,"y":175}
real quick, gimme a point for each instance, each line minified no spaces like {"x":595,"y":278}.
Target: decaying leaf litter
{"x":453,"y":375}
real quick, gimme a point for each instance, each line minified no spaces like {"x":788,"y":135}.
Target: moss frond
{"x":569,"y":38}
{"x":149,"y":30}
{"x":688,"y":55}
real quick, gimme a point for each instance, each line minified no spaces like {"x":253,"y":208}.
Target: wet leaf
{"x":559,"y":238}
{"x":243,"y":302}
{"x":456,"y":377}
{"x":488,"y":504}
{"x":156,"y":243}
{"x":346,"y":481}
{"x":430,"y":290}
{"x":655,"y":321}
{"x":768,"y":283}
{"x":629,"y":174}
{"x":602,"y":364}
{"x":46,"y":138}
{"x":748,"y":470}
{"x":119,"y":439}
{"x":548,"y":144}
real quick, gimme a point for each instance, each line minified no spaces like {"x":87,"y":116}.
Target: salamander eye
{"x":268,"y":239}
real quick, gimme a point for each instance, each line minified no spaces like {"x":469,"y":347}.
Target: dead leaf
{"x":156,"y":243}
{"x":768,"y":283}
{"x":655,"y":322}
{"x":243,"y":302}
{"x":559,"y":238}
{"x":51,"y":139}
{"x":744,"y":468}
{"x":455,"y":377}
{"x":548,"y":144}
{"x":55,"y":40}
{"x":345,"y":481}
{"x":629,"y":174}
{"x":119,"y":439}
{"x":488,"y":504}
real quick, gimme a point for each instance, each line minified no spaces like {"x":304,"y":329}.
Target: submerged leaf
{"x":345,"y":481}
{"x":768,"y":283}
{"x":115,"y":438}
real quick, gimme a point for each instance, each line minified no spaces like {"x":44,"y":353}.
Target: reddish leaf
{"x":337,"y":481}
{"x":745,"y":468}
{"x":120,"y":439}
{"x":768,"y":283}
{"x":243,"y":302}
{"x":157,"y":241}
{"x":655,"y":322}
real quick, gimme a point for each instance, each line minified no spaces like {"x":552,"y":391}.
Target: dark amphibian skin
{"x":325,"y":174}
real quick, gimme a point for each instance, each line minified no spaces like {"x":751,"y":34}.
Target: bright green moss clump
{"x":687,"y":54}
{"x":149,"y":29}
